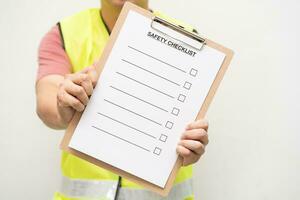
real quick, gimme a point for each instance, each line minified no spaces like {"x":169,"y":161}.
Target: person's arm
{"x":58,"y":92}
{"x":46,"y":108}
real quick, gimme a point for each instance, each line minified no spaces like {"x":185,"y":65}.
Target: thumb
{"x":85,"y":70}
{"x":92,"y":73}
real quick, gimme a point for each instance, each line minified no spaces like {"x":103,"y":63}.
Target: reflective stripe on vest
{"x":106,"y":190}
{"x":179,"y":191}
{"x":91,"y":189}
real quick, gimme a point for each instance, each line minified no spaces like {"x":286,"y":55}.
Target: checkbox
{"x":169,"y":125}
{"x":163,"y":138}
{"x":175,"y":111}
{"x":157,"y":150}
{"x":181,"y":97}
{"x":193,"y":72}
{"x":187,"y":85}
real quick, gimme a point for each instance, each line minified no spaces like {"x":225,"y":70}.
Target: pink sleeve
{"x":52,"y":58}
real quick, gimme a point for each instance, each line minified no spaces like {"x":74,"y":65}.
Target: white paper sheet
{"x":145,"y":96}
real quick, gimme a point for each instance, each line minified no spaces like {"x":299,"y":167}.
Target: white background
{"x":254,"y":150}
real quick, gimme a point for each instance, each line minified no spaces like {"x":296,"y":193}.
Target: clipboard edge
{"x":229,"y":53}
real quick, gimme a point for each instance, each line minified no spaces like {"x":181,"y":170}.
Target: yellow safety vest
{"x":85,"y":36}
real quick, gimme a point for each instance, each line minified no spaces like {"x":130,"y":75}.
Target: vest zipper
{"x":118,"y":188}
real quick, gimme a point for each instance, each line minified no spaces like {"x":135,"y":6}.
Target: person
{"x":65,"y":81}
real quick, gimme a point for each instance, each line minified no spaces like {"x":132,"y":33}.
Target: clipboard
{"x":156,"y":23}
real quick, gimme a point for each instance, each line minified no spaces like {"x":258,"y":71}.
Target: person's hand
{"x":74,"y":92}
{"x":193,"y":141}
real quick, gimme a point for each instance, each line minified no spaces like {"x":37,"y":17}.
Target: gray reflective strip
{"x":106,"y":189}
{"x":179,"y":192}
{"x":89,"y":189}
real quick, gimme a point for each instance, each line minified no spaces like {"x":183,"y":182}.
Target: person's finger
{"x":76,"y":91}
{"x":86,"y":73}
{"x":193,"y":145}
{"x":85,"y":70}
{"x":190,"y":160}
{"x":188,"y":156}
{"x":88,"y":86}
{"x":203,"y":123}
{"x":77,"y":78}
{"x":82,"y":79}
{"x":67,"y":100}
{"x":93,"y":75}
{"x":182,"y":151}
{"x":196,"y":134}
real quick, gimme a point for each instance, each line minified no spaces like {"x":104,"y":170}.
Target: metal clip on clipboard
{"x":179,"y":29}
